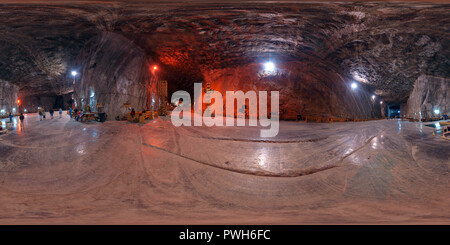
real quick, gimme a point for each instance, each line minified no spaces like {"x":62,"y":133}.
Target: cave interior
{"x":397,"y":54}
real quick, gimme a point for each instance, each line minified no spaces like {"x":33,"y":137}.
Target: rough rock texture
{"x":302,"y":92}
{"x":8,"y":96}
{"x":114,"y":71}
{"x":32,"y":102}
{"x":429,"y":93}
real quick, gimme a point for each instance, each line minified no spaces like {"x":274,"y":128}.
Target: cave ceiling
{"x":383,"y":45}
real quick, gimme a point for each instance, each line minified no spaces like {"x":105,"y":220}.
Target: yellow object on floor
{"x":142,"y":119}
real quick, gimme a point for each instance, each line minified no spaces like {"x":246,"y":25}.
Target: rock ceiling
{"x":384,"y":45}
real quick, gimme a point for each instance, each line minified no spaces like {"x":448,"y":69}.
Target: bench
{"x":87,"y":117}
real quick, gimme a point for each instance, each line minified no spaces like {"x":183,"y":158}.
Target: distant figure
{"x":43,"y":113}
{"x":40,"y":115}
{"x":70,"y":112}
{"x":10,"y":117}
{"x":445,"y":116}
{"x":133,"y":113}
{"x":51,"y":113}
{"x":60,"y":112}
{"x":21,"y":119}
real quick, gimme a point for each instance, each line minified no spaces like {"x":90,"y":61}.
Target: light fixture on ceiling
{"x":354,"y":85}
{"x":74,"y":74}
{"x":269,"y":67}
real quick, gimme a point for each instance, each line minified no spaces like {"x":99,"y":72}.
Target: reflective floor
{"x":64,"y":172}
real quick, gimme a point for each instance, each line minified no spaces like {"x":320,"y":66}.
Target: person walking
{"x":10,"y":117}
{"x":21,"y":120}
{"x":43,"y":112}
{"x":70,"y":112}
{"x":40,"y":115}
{"x":60,"y":112}
{"x":51,"y":113}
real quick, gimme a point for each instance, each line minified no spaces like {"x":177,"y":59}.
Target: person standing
{"x":43,"y":112}
{"x":21,"y":120}
{"x":60,"y":112}
{"x":70,"y":112}
{"x":133,"y":113}
{"x":10,"y":117}
{"x":40,"y":115}
{"x":51,"y":113}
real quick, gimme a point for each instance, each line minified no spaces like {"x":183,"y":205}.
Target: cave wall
{"x":8,"y":97}
{"x":32,"y":102}
{"x":114,"y":71}
{"x":302,"y":91}
{"x":429,"y":93}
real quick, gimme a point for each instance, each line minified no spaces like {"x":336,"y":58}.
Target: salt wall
{"x":429,"y":93}
{"x":114,"y":71}
{"x":32,"y":102}
{"x":317,"y":92}
{"x":8,"y":97}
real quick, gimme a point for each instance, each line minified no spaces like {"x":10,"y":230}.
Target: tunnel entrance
{"x":393,"y":111}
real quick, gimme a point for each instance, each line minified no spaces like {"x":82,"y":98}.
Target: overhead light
{"x":436,"y":111}
{"x":74,"y":73}
{"x":269,"y":66}
{"x":381,"y":102}
{"x":155,"y":68}
{"x":354,"y":85}
{"x":25,"y":110}
{"x":373,"y":97}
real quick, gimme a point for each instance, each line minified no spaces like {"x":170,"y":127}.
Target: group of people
{"x":21,"y":117}
{"x":77,"y":114}
{"x":133,"y":112}
{"x":42,"y":113}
